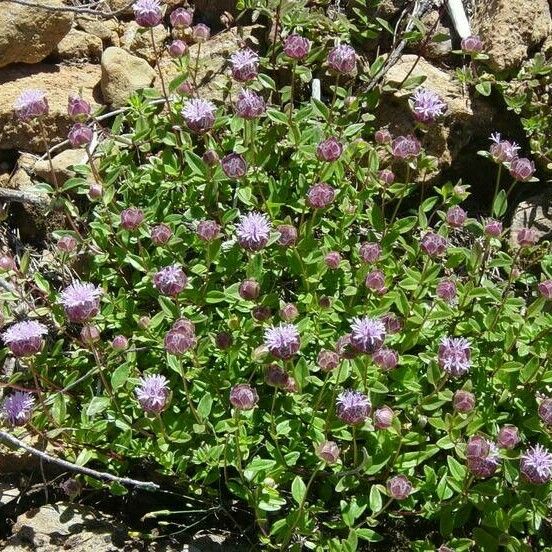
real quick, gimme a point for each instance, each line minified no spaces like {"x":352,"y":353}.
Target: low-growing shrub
{"x":266,"y":299}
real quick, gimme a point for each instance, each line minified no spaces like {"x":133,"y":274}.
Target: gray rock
{"x":79,"y":45}
{"x":536,"y":213}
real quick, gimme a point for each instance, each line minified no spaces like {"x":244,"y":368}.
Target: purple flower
{"x":503,"y":151}
{"x":223,"y":340}
{"x":31,"y":103}
{"x":67,"y":244}
{"x":456,"y":217}
{"x":385,"y":358}
{"x":25,"y":338}
{"x":288,"y":235}
{"x":80,"y":135}
{"x":17,"y":408}
{"x":71,"y":487}
{"x":387,"y":176}
{"x":89,"y":334}
{"x":332,"y":260}
{"x":367,"y":334}
{"x":508,"y":437}
{"x":545,"y":411}
{"x":375,"y":281}
{"x":249,"y":104}
{"x":161,"y":234}
{"x":353,"y":407}
{"x":261,"y":313}
{"x":446,"y":290}
{"x":493,"y":228}
{"x":545,"y":289}
{"x":185,"y":326}
{"x":282,"y":341}
{"x":81,"y":301}
{"x":406,"y":147}
{"x":147,"y":13}
{"x":328,"y":451}
{"x":177,"y":48}
{"x":455,"y":355}
{"x":383,"y":136}
{"x":433,"y":244}
{"x":522,"y":169}
{"x":208,"y":230}
{"x":342,"y":59}
{"x":153,"y":393}
{"x":526,"y":237}
{"x":181,"y":18}
{"x":289,"y":312}
{"x":344,"y":348}
{"x":170,"y":280}
{"x":484,"y":465}
{"x":243,"y":397}
{"x":77,"y":108}
{"x":463,"y":401}
{"x":234,"y":165}
{"x":210,"y":158}
{"x":199,"y":115}
{"x":383,"y":417}
{"x":296,"y":46}
{"x":245,"y":65}
{"x":329,"y":149}
{"x":327,"y":360}
{"x":253,"y":231}
{"x":120,"y":343}
{"x":201,"y":33}
{"x":370,"y":252}
{"x":393,"y":324}
{"x":95,"y":191}
{"x":177,"y":342}
{"x":536,"y":465}
{"x":427,"y":105}
{"x":399,"y":487}
{"x":276,"y":376}
{"x":131,"y":218}
{"x":471,"y":45}
{"x":320,"y":195}
{"x":477,"y":447}
{"x":249,"y":289}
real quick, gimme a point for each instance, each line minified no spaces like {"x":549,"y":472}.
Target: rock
{"x":510,"y":29}
{"x":536,"y":213}
{"x":106,"y":30}
{"x":137,"y":40}
{"x":122,"y":75}
{"x":79,"y":45}
{"x":209,"y":11}
{"x":29,"y":34}
{"x":58,"y":81}
{"x":8,"y":491}
{"x":69,"y":526}
{"x":438,"y":42}
{"x":62,"y":164}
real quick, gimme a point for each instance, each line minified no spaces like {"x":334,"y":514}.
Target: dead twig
{"x":33,"y":198}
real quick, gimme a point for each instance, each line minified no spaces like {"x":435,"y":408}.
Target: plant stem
{"x":158,"y":65}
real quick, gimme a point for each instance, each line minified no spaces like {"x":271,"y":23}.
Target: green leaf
{"x":368,"y":535}
{"x":484,"y":88}
{"x":298,"y":490}
{"x":500,"y":204}
{"x":120,"y":375}
{"x":59,"y":409}
{"x":375,"y":499}
{"x":97,"y":405}
{"x":204,"y":406}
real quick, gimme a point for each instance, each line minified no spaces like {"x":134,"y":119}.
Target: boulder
{"x":536,"y":213}
{"x":28,"y":34}
{"x":79,"y":45}
{"x":511,"y":29}
{"x":61,"y":163}
{"x":122,"y":75}
{"x":107,"y":30}
{"x":58,"y":81}
{"x":137,"y":40}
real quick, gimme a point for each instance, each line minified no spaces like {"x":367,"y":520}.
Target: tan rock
{"x":29,"y":34}
{"x":105,"y":29}
{"x":62,"y":165}
{"x":511,"y":29}
{"x":137,"y":41}
{"x":122,"y":75}
{"x":536,"y":213}
{"x":79,"y":45}
{"x":58,"y":81}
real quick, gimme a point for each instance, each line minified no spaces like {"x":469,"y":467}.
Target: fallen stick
{"x":7,"y":194}
{"x":102,"y":476}
{"x":71,"y":9}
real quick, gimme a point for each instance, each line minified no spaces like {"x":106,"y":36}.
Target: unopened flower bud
{"x":261,"y":313}
{"x":223,"y":340}
{"x":250,"y":289}
{"x":508,"y":437}
{"x":383,"y":136}
{"x":201,"y":33}
{"x":144,"y":322}
{"x":95,"y":191}
{"x":89,"y":334}
{"x":243,"y":397}
{"x":463,"y":401}
{"x":545,"y":289}
{"x":328,"y":451}
{"x":161,"y":234}
{"x":399,"y":487}
{"x":119,"y":343}
{"x":177,"y":48}
{"x":131,"y":218}
{"x":383,"y":417}
{"x":289,"y":312}
{"x":328,"y":360}
{"x":211,"y":158}
{"x":67,"y":244}
{"x":332,"y":260}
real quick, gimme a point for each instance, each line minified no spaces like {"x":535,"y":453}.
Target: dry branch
{"x":73,"y":9}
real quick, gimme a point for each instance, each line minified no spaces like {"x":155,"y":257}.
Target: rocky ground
{"x":107,"y":59}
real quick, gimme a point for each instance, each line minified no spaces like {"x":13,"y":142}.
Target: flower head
{"x":25,"y":338}
{"x":399,"y":487}
{"x":296,"y":46}
{"x":463,"y":401}
{"x":329,"y":149}
{"x":245,"y":65}
{"x":253,"y":231}
{"x":545,"y":289}
{"x":492,"y":228}
{"x":249,"y":104}
{"x":243,"y":397}
{"x":131,"y":218}
{"x":353,"y":407}
{"x":282,"y":341}
{"x":80,"y":135}
{"x":526,"y":237}
{"x":170,"y":280}
{"x":385,"y":358}
{"x":208,"y":230}
{"x":181,"y":18}
{"x":383,"y":417}
{"x":81,"y":301}
{"x":177,"y":342}
{"x":522,"y":169}
{"x":161,"y":234}
{"x":375,"y":281}
{"x":320,"y":195}
{"x":234,"y":165}
{"x":147,"y":13}
{"x":17,"y":408}
{"x":370,"y":252}
{"x":328,"y":451}
{"x":332,"y":260}
{"x":471,"y":45}
{"x":455,"y":355}
{"x":503,"y":151}
{"x":545,"y":411}
{"x":406,"y":147}
{"x":427,"y":105}
{"x":30,"y":104}
{"x":433,"y":244}
{"x":153,"y":393}
{"x":77,"y":108}
{"x":485,"y":464}
{"x":508,"y":437}
{"x":342,"y":59}
{"x":199,"y":115}
{"x":327,"y":360}
{"x":367,"y":334}
{"x":536,"y":465}
{"x":288,"y":234}
{"x":456,"y":216}
{"x":446,"y":290}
